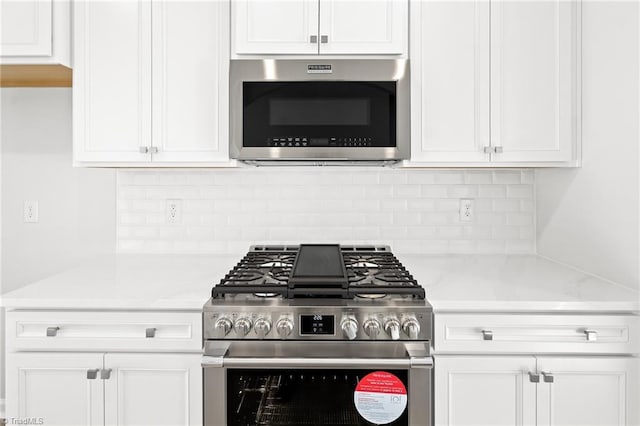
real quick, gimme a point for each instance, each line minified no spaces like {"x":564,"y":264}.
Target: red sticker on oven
{"x":380,"y":398}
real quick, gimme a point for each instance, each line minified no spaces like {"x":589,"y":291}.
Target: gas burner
{"x":275,"y":264}
{"x":371,"y":296}
{"x":363,"y":264}
{"x":265,"y":295}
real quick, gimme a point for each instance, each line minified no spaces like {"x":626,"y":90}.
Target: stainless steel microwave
{"x":340,"y":110}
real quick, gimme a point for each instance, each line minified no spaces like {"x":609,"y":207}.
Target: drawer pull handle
{"x":92,"y":374}
{"x":547,"y":377}
{"x":150,"y":332}
{"x":52,"y":331}
{"x":534,"y":378}
{"x":591,"y":335}
{"x":105,"y":373}
{"x":487,"y":335}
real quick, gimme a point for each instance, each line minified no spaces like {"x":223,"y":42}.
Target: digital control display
{"x":317,"y":324}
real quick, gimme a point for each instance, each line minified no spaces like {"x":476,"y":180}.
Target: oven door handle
{"x":296,"y":362}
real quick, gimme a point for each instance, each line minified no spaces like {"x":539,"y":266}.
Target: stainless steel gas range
{"x":318,"y":334}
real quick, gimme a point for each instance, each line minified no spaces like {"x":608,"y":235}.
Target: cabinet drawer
{"x":513,"y":333}
{"x":102,"y":331}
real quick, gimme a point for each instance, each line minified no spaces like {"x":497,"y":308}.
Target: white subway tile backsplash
{"x":507,"y":176}
{"x":415,"y":211}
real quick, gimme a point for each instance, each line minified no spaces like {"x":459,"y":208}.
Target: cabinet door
{"x":112,"y":80}
{"x":54,"y":387}
{"x":533,"y":80}
{"x":364,"y":26}
{"x":589,"y":392}
{"x":25,"y":28}
{"x":450,"y":81}
{"x":484,"y":390}
{"x":275,"y":26}
{"x":153,"y":389}
{"x":190,"y":72}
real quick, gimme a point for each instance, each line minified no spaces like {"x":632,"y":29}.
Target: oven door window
{"x":319,"y":112}
{"x":298,"y":397}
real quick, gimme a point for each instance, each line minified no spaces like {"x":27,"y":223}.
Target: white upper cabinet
{"x":309,"y":27}
{"x":189,"y":81}
{"x":275,"y":27}
{"x":35,"y":32}
{"x":154,"y":91}
{"x":495,"y":82}
{"x":533,"y":80}
{"x":112,"y":81}
{"x":450,"y":61}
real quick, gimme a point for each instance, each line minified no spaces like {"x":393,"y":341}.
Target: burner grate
{"x":370,"y":272}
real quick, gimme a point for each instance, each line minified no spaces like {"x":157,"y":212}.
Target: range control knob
{"x":392,"y":328}
{"x":411,"y":327}
{"x":242,"y":326}
{"x":372,"y":328}
{"x":284,"y":327}
{"x":349,"y":327}
{"x":223,"y":326}
{"x":262,"y":327}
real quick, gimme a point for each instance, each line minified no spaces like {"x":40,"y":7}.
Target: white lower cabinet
{"x":589,"y":391}
{"x":123,"y":389}
{"x":153,"y":389}
{"x":484,"y":390}
{"x":529,"y":390}
{"x":105,"y":367}
{"x":54,"y":387}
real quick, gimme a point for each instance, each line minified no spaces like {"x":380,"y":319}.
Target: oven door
{"x":315,"y":383}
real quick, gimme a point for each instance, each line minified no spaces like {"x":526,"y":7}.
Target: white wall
{"x":76,"y":206}
{"x":589,"y":217}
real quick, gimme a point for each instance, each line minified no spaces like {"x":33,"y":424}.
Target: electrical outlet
{"x":31,"y":211}
{"x":174,"y":211}
{"x":466,"y":210}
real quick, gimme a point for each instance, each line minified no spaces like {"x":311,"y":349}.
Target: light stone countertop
{"x":490,"y":283}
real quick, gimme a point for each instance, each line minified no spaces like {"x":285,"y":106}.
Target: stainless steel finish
{"x":415,"y":316}
{"x":497,"y":150}
{"x":223,"y":326}
{"x":411,"y":327}
{"x":533,"y":377}
{"x":591,"y":335}
{"x":144,"y":150}
{"x":372,"y":328}
{"x":93,"y":373}
{"x":105,"y":373}
{"x":324,"y":39}
{"x":349,"y":326}
{"x":487,"y":335}
{"x":487,"y":150}
{"x":333,"y":162}
{"x":313,"y":39}
{"x":242,"y":327}
{"x":52,"y":331}
{"x":342,"y":69}
{"x":262,"y":327}
{"x":150,"y":332}
{"x":547,"y":377}
{"x":413,"y":357}
{"x":284,"y":327}
{"x":392,"y":328}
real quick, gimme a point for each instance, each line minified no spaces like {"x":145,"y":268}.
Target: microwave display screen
{"x":319,"y":112}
